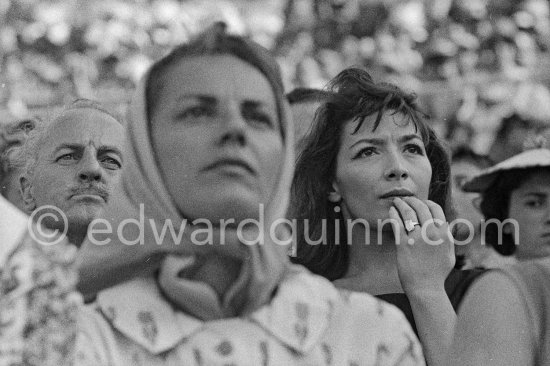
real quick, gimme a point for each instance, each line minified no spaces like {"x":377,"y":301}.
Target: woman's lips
{"x":232,"y":165}
{"x":398,"y":192}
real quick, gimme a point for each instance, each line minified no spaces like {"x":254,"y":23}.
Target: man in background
{"x":72,"y":165}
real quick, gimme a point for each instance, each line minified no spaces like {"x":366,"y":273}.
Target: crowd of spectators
{"x":54,"y":50}
{"x":473,"y":62}
{"x":431,"y":40}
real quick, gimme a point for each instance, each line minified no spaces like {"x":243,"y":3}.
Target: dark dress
{"x":456,"y":285}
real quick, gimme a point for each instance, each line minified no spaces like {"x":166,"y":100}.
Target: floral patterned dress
{"x":308,"y":322}
{"x":38,"y":303}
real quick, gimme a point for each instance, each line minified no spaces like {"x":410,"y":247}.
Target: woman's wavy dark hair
{"x":495,"y":204}
{"x":355,"y":96}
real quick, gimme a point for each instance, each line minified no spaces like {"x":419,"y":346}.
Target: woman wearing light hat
{"x":514,"y":193}
{"x":505,"y":318}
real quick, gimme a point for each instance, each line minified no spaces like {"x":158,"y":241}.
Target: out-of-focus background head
{"x":304,"y":103}
{"x":13,"y":135}
{"x":481,"y":68}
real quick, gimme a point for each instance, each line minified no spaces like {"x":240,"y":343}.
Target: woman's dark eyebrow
{"x":372,"y":141}
{"x":203,"y":98}
{"x":536,"y":194}
{"x":253,"y":104}
{"x":376,"y":141}
{"x":409,"y":138}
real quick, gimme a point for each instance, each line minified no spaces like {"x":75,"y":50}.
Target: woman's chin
{"x":379,"y":220}
{"x":228,"y":210}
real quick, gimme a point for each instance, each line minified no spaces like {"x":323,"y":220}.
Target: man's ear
{"x":335,"y":195}
{"x":25,"y":187}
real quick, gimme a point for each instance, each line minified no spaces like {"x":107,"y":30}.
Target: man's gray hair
{"x":29,"y":155}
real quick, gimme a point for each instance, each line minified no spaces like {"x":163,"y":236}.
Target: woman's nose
{"x":234,"y":126}
{"x":396,"y":168}
{"x":547,"y":217}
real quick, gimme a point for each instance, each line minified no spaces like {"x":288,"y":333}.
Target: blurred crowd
{"x":54,"y":50}
{"x":473,"y":63}
{"x":429,"y":40}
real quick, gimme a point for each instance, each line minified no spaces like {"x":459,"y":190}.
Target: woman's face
{"x":530,"y":208}
{"x":217,"y":137}
{"x":373,"y":167}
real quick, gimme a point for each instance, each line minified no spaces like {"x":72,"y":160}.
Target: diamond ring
{"x":410,"y":224}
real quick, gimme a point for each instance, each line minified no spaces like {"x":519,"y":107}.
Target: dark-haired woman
{"x":506,"y":314}
{"x":371,"y":192}
{"x":514,"y":194}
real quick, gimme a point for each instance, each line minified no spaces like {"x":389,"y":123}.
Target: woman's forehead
{"x":539,"y":180}
{"x":390,"y":126}
{"x":209,"y":74}
{"x":220,"y":79}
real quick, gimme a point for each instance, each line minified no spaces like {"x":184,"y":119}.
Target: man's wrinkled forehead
{"x":83,"y":126}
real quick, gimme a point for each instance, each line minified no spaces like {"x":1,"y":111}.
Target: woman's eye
{"x":258,"y":117}
{"x":365,"y":152}
{"x":195,"y":112}
{"x":534,"y":204}
{"x":414,"y":149}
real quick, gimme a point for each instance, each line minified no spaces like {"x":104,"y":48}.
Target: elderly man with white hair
{"x":71,"y":168}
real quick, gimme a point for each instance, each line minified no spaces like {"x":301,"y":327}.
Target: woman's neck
{"x":373,"y":266}
{"x":220,"y":272}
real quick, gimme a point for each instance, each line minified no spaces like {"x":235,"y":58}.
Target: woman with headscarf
{"x":209,"y":140}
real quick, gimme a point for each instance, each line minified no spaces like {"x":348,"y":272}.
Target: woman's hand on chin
{"x":425,"y":250}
